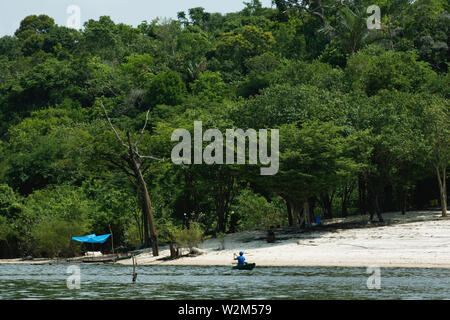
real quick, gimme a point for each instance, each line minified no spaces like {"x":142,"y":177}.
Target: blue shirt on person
{"x":241,"y":260}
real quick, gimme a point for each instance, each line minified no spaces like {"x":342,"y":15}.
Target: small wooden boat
{"x":247,"y":266}
{"x":98,"y":259}
{"x":107,"y":258}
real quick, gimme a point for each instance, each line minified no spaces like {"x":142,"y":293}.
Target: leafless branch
{"x":112,"y":91}
{"x":130,"y":146}
{"x":151,"y":157}
{"x":142,"y":132}
{"x":114,"y":129}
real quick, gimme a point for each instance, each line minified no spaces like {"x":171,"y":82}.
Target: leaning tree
{"x":131,"y":163}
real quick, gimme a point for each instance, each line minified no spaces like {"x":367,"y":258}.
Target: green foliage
{"x":61,"y":41}
{"x":139,"y":67}
{"x":132,"y":236}
{"x":38,"y":24}
{"x":283,"y":103}
{"x":318,"y":155}
{"x":50,"y":217}
{"x":9,"y":202}
{"x":168,"y":231}
{"x":166,"y":88}
{"x":189,"y":237}
{"x":255,"y":212}
{"x":352,"y":105}
{"x":65,"y":202}
{"x":6,"y":230}
{"x":32,"y":32}
{"x":10,"y":47}
{"x":243,"y":44}
{"x":290,"y":39}
{"x":44,"y":150}
{"x":390,"y":70}
{"x":315,"y":73}
{"x":100,"y":37}
{"x":334,"y":54}
{"x":351,"y":31}
{"x":52,"y":237}
{"x":209,"y":86}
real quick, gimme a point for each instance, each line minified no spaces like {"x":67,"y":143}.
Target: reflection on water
{"x":178,"y":282}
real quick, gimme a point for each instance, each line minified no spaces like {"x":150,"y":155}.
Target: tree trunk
{"x":221,"y":220}
{"x":404,"y":201}
{"x":220,"y":209}
{"x":134,"y":162}
{"x":140,"y":221}
{"x":146,"y":238}
{"x":224,"y":197}
{"x":346,"y":193}
{"x":173,"y":252}
{"x":311,"y":208}
{"x":147,"y":206}
{"x":388,"y":199}
{"x":377,"y":207}
{"x":371,"y":201}
{"x":362,"y":196}
{"x":443,"y":189}
{"x":289,"y":212}
{"x":326,"y":201}
{"x":306,"y":214}
{"x":112,"y":238}
{"x":297,"y":213}
{"x":374,"y":207}
{"x":344,"y":211}
{"x":187,"y":205}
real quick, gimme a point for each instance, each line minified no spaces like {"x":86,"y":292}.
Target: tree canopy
{"x":363,"y":117}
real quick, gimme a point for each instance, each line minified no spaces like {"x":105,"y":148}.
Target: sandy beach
{"x":418,"y":239}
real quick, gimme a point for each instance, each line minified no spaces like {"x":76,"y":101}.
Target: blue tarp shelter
{"x":92,"y":238}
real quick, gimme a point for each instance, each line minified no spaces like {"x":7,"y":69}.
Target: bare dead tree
{"x":131,"y":163}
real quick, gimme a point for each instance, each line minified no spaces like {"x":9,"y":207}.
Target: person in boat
{"x":240,"y":259}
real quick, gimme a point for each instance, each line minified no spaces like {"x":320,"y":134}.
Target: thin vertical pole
{"x":134,"y":268}
{"x":112,"y":238}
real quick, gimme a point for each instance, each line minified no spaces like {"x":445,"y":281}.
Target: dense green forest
{"x":363,"y":116}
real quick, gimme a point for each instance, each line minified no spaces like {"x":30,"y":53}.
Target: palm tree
{"x":351,"y":30}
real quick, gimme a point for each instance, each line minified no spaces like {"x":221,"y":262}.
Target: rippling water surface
{"x":180,"y":282}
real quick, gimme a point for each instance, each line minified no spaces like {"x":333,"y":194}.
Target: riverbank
{"x":418,"y":239}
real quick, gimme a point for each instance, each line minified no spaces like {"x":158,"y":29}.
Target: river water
{"x":181,"y":282}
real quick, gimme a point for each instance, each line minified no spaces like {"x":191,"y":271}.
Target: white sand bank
{"x":21,"y":261}
{"x":419,"y":239}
